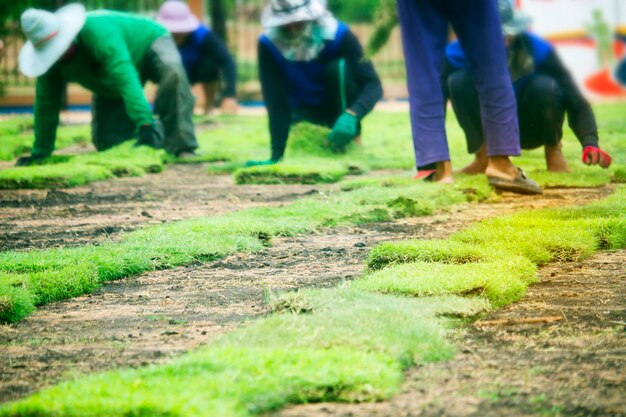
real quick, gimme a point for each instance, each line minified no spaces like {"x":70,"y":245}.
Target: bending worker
{"x":312,"y":68}
{"x":544,"y":91}
{"x":111,"y":54}
{"x":204,"y":55}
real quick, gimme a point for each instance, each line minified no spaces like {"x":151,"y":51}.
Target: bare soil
{"x":155,"y":316}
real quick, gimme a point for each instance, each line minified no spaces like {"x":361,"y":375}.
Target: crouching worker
{"x":111,"y":54}
{"x":544,"y":91}
{"x":204,"y":55}
{"x":312,"y":68}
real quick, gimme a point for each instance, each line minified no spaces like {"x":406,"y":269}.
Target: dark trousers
{"x":424,"y":25}
{"x":540,"y":109}
{"x":174,"y":103}
{"x":342,"y":89}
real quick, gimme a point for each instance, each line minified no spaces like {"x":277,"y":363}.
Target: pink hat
{"x":177,"y":18}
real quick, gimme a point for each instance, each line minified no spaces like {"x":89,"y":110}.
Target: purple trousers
{"x":424,"y":25}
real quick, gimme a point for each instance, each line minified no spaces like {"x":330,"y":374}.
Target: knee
{"x":544,"y":92}
{"x":459,"y":83}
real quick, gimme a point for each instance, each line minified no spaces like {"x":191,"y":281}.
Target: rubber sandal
{"x":521,"y":184}
{"x":427,"y":175}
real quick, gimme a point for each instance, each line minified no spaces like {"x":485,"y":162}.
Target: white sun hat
{"x":283,"y":12}
{"x":177,"y":18}
{"x":514,"y":22}
{"x":49,"y":36}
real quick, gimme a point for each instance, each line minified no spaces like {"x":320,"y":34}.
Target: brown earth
{"x":155,"y":316}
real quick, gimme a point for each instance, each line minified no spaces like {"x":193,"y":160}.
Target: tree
{"x":218,"y":18}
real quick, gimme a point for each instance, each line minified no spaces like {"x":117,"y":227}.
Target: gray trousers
{"x":174,"y":104}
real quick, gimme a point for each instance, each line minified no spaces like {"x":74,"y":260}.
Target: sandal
{"x":521,"y":184}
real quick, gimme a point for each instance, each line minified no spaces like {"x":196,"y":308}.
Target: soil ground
{"x":575,"y":364}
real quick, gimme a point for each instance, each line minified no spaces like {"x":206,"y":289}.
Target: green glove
{"x":345,"y":129}
{"x":260,"y":163}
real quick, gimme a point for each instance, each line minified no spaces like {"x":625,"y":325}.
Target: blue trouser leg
{"x":477,"y":25}
{"x":424,"y":26}
{"x":424,"y":35}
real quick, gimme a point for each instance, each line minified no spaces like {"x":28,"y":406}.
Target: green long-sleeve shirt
{"x":110,"y":50}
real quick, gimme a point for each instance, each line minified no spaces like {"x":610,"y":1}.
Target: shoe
{"x":521,"y":184}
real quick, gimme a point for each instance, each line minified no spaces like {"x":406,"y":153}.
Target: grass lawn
{"x":387,"y":145}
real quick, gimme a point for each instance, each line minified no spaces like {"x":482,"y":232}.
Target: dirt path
{"x":155,"y":316}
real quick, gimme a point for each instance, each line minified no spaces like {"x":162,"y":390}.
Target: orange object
{"x":602,"y":84}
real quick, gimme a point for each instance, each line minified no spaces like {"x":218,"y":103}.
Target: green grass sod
{"x":204,"y":239}
{"x":16,"y":136}
{"x":348,"y":348}
{"x":497,"y":258}
{"x":69,"y":171}
{"x":341,"y":344}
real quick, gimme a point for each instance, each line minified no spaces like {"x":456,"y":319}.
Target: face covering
{"x":305,"y":45}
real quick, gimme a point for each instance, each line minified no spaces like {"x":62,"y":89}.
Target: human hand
{"x":593,"y":155}
{"x":345,"y":129}
{"x":148,"y":136}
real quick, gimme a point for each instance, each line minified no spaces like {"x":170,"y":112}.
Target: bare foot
{"x":443,"y":172}
{"x":478,"y":165}
{"x":555,"y":161}
{"x":501,"y":167}
{"x":358,"y":141}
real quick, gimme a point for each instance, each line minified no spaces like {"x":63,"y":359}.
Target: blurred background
{"x":590,"y":36}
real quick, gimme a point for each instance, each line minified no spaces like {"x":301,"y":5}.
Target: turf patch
{"x":310,"y":159}
{"x":17,"y":136}
{"x":62,"y":171}
{"x":348,"y":348}
{"x":497,"y":258}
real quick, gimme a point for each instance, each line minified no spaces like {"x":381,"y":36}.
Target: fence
{"x":243,"y":31}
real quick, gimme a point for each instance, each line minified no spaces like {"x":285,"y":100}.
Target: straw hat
{"x":514,"y":22}
{"x":283,"y":12}
{"x":49,"y":36}
{"x":177,"y":18}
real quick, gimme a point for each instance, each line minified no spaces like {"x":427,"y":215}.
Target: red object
{"x":426,"y":175}
{"x":602,"y":83}
{"x":593,"y":155}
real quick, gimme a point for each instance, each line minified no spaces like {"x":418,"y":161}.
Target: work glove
{"x":345,"y":129}
{"x":593,"y":155}
{"x":148,"y":136}
{"x":25,"y":161}
{"x":261,"y":163}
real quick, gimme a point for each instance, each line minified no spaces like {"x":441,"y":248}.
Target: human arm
{"x":276,"y":97}
{"x":214,"y":47}
{"x":371,"y":90}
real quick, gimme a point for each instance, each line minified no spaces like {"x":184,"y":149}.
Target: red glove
{"x":596,"y":156}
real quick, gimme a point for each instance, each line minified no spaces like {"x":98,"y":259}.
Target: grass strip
{"x":341,"y":344}
{"x":497,"y":258}
{"x":17,"y":137}
{"x":310,"y":160}
{"x":62,"y":171}
{"x":347,"y":348}
{"x":204,"y":239}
